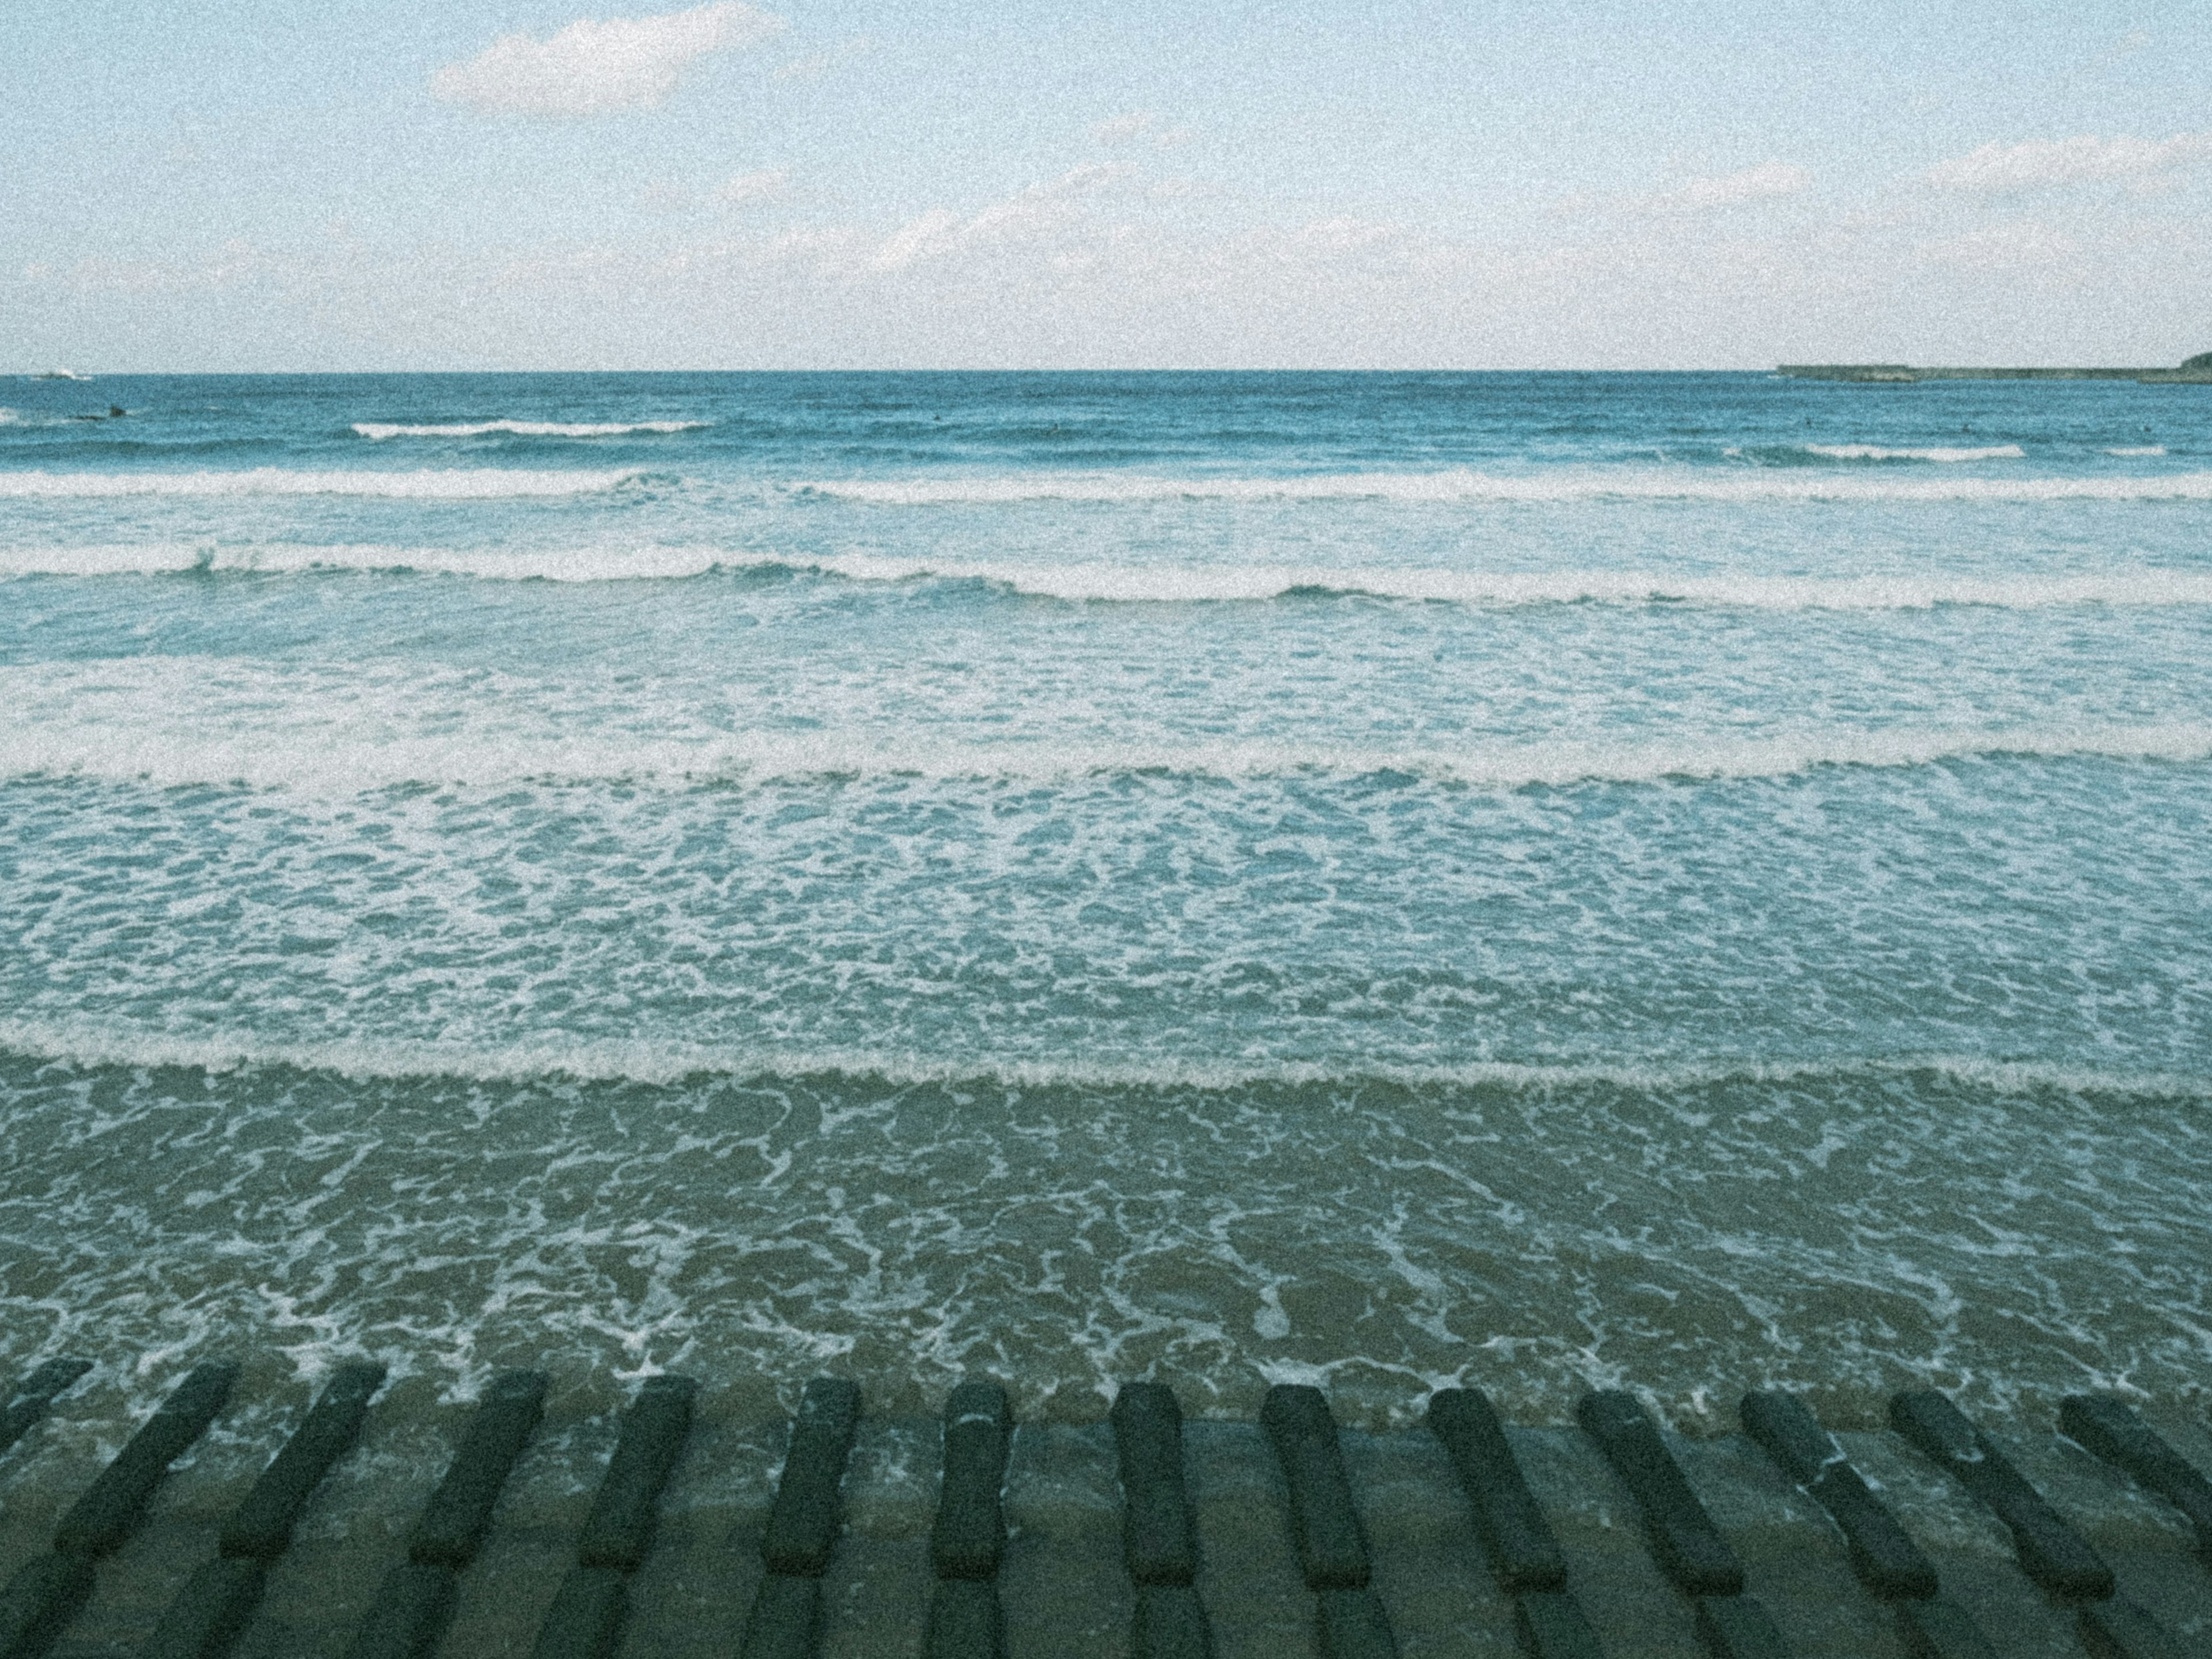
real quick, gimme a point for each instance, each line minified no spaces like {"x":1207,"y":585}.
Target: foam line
{"x":1462,"y":485}
{"x":1152,"y":584}
{"x":600,"y":1059}
{"x":477,"y":484}
{"x":324,"y":756}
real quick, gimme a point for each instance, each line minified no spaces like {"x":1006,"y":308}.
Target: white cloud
{"x":2042,"y":163}
{"x":594,"y":67}
{"x":1763,"y":183}
{"x":764,"y":185}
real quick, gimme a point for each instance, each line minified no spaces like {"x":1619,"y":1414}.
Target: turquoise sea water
{"x":1692,"y":881}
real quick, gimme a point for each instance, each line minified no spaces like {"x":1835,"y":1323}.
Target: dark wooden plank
{"x":1325,"y":1526}
{"x":1550,"y":1626}
{"x":1938,"y":1629}
{"x":1882,"y":1553}
{"x":1352,"y":1626}
{"x":619,"y":1529}
{"x":210,"y":1611}
{"x":1159,"y":1541}
{"x":413,"y":1606}
{"x":454,"y":1521}
{"x":39,"y":1602}
{"x":969,"y":1537}
{"x":965,"y":1621}
{"x":1685,"y":1543}
{"x":1738,"y":1627}
{"x":2119,"y":1437}
{"x":786,"y":1620}
{"x":101,"y":1520}
{"x":260,"y":1528}
{"x":1169,"y":1623}
{"x":1515,"y":1536}
{"x":585,"y":1619}
{"x":34,"y":1396}
{"x":803,"y":1522}
{"x":2051,"y":1552}
{"x":2119,"y":1629}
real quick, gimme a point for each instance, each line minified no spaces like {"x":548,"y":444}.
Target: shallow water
{"x":1678,"y":881}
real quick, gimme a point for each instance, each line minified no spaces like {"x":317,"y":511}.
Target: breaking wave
{"x":660,"y":1062}
{"x":352,"y":756}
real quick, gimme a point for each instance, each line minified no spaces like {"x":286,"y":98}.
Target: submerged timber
{"x":2197,"y":371}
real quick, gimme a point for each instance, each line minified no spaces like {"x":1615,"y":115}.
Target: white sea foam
{"x":380,"y":430}
{"x":1458,"y":486}
{"x":1876,"y":452}
{"x":1153,"y":584}
{"x":188,"y":741}
{"x":2139,"y":449}
{"x":478,"y":484}
{"x":589,"y":1059}
{"x":1167,"y":584}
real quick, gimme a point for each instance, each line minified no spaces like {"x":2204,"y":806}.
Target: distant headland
{"x":2197,"y":371}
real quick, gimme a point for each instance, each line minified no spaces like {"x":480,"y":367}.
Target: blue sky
{"x":534,"y":183}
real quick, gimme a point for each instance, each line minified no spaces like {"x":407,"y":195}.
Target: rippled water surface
{"x":1683,"y":881}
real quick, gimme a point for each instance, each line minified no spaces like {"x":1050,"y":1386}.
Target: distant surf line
{"x":380,"y":431}
{"x":1457,"y":487}
{"x":1144,"y":584}
{"x":1942,"y":456}
{"x":471,"y":484}
{"x":556,"y":1057}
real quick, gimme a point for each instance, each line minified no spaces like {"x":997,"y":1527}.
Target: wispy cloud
{"x":1763,"y":183}
{"x":2020,"y":245}
{"x":595,"y":68}
{"x":236,"y":264}
{"x":1027,"y":212}
{"x":747,"y":188}
{"x":2042,"y":164}
{"x":1139,"y":126}
{"x":815,"y":65}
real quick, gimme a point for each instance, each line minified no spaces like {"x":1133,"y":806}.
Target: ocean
{"x":1686,"y":882}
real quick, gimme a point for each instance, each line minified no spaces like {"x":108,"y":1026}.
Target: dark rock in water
{"x":2202,"y":362}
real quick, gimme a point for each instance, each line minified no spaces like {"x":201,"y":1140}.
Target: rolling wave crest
{"x":1147,"y":584}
